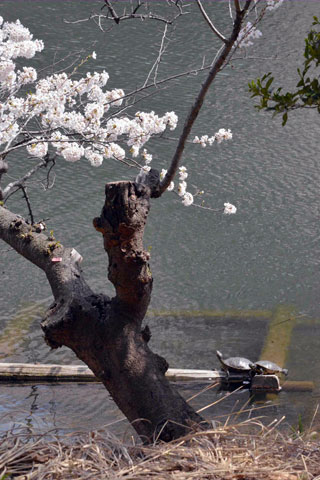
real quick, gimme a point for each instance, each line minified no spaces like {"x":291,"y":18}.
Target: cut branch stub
{"x":3,"y":169}
{"x":122,"y":222}
{"x":3,"y":166}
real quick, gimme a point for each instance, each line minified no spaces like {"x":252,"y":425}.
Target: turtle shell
{"x":235,"y":364}
{"x":268,"y":367}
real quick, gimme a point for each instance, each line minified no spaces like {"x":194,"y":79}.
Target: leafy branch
{"x":307,"y":91}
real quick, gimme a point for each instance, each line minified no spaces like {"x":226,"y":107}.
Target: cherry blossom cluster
{"x":273,"y":4}
{"x":68,"y":115}
{"x":186,"y":197}
{"x":16,"y":41}
{"x":219,"y":136}
{"x":247,"y":34}
{"x":250,"y":32}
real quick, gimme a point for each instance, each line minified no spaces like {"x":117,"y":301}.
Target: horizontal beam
{"x":70,"y":373}
{"x":41,"y":373}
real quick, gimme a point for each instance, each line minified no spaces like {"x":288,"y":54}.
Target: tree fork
{"x":106,"y":333}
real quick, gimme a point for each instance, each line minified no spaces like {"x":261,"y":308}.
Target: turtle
{"x":236,"y":364}
{"x":266,"y":367}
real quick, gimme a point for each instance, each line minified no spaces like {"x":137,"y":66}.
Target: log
{"x":80,"y":373}
{"x":41,"y":373}
{"x":25,"y":372}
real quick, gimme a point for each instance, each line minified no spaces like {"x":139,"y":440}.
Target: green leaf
{"x":284,"y":118}
{"x":269,"y":83}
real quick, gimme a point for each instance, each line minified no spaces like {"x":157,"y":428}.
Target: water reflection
{"x":202,"y":333}
{"x":65,"y":408}
{"x":62,"y":407}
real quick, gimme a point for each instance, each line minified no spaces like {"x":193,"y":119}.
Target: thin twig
{"x":230,"y":10}
{"x":26,"y":197}
{"x":168,"y":79}
{"x":158,"y":59}
{"x":49,"y":184}
{"x":112,"y":11}
{"x":21,"y":181}
{"x":116,"y":18}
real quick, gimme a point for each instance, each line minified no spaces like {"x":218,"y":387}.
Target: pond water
{"x":204,"y":264}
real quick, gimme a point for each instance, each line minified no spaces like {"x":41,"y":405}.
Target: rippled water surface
{"x":264,"y":257}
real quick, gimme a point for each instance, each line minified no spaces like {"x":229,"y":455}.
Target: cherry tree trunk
{"x":106,"y":333}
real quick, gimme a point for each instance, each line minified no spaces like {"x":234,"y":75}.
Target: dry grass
{"x":245,"y":451}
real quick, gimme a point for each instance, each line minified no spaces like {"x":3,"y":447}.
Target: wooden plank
{"x":41,"y":373}
{"x":180,"y":374}
{"x":28,"y":371}
{"x":34,"y":372}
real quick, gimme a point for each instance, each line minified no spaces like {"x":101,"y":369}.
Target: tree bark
{"x":106,"y":333}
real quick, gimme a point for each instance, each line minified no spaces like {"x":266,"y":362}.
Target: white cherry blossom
{"x":72,"y":152}
{"x":38,"y":149}
{"x":219,"y":136}
{"x":229,"y":209}
{"x":27,"y":75}
{"x":146,"y":168}
{"x":94,"y":158}
{"x":182,"y":188}
{"x":146,"y":156}
{"x":223,"y":134}
{"x":115,"y":96}
{"x":163,"y":174}
{"x":273,"y":4}
{"x":247,"y":34}
{"x":187,"y":199}
{"x":183,"y":175}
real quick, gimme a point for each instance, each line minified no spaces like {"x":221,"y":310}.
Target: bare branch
{"x":230,"y":10}
{"x":113,"y":15}
{"x":207,"y":19}
{"x":40,"y":250}
{"x":158,"y":60}
{"x":137,"y":7}
{"x":112,"y":11}
{"x":49,"y":184}
{"x":21,"y":181}
{"x":237,"y":6}
{"x":169,"y":79}
{"x":218,"y":64}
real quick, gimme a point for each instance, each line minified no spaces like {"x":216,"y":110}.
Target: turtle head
{"x":285,"y":371}
{"x":219,"y":355}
